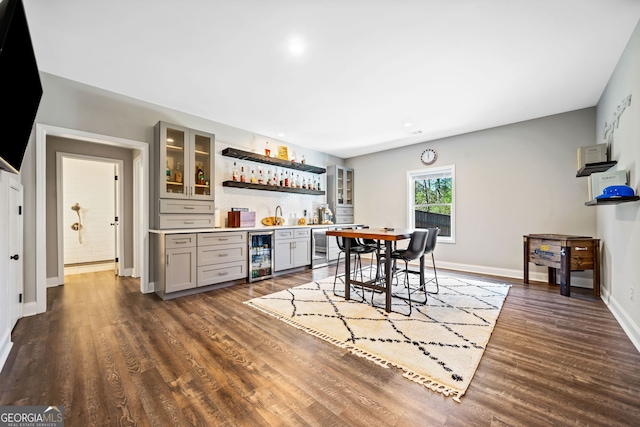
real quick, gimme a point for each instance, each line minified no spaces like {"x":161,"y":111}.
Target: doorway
{"x":140,"y":152}
{"x":89,"y":214}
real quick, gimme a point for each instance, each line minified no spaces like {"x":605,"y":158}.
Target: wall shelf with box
{"x":274,"y":161}
{"x":263,"y":187}
{"x":590,"y":168}
{"x":612,"y":201}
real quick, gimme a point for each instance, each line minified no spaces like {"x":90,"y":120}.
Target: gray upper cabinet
{"x":183,"y":177}
{"x":340,"y":182}
{"x":185,"y":162}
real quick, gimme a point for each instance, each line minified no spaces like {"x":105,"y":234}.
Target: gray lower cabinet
{"x":292,"y":248}
{"x":177,"y":271}
{"x":221,"y":257}
{"x":188,"y":261}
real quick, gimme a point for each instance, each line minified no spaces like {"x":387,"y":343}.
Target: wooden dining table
{"x":388,"y":236}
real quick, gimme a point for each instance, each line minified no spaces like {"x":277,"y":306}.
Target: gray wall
{"x":72,"y":105}
{"x":63,"y":145}
{"x":510,"y":181}
{"x":619,"y":226}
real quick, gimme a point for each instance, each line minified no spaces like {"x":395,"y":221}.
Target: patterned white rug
{"x":440,"y":345}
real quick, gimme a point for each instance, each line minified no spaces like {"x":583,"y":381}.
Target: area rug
{"x":439,"y":345}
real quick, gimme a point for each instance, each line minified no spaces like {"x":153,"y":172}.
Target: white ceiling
{"x":369,"y":67}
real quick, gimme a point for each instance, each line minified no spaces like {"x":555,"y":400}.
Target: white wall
{"x":510,"y":181}
{"x":619,"y":226}
{"x":91,"y":185}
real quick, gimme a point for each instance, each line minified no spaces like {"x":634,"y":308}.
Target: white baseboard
{"x":29,"y":309}
{"x":126,"y":272}
{"x":628,"y":326}
{"x":580,"y":282}
{"x":5,"y":348}
{"x":151,"y":287}
{"x":52,"y":282}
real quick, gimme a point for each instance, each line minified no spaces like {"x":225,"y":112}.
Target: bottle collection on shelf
{"x":177,"y":178}
{"x":262,"y":176}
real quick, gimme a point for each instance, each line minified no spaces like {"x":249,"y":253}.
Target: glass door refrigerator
{"x":260,"y":255}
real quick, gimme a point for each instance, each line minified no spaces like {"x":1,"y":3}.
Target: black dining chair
{"x":414,"y":251}
{"x":357,"y":249}
{"x":432,"y":239}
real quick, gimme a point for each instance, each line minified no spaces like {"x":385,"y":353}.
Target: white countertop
{"x":261,"y":228}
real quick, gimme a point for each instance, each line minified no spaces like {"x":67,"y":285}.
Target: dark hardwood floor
{"x":113,"y":356}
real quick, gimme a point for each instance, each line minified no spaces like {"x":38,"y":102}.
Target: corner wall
{"x":619,"y":225}
{"x":510,"y":181}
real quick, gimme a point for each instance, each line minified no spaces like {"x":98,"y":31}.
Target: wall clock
{"x":429,"y":156}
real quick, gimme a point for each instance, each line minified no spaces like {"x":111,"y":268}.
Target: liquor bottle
{"x":298,"y":181}
{"x":234,"y":174}
{"x":254,"y":180}
{"x":260,"y":177}
{"x":286,"y":179}
{"x":281,"y":179}
{"x":304,"y":184}
{"x":267,"y":151}
{"x":179,"y":173}
{"x":269,"y":177}
{"x":243,"y":177}
{"x":168,"y":171}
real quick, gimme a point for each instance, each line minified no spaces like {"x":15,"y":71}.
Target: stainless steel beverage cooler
{"x":260,"y":255}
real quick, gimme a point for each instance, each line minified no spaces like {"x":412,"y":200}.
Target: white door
{"x":15,"y":251}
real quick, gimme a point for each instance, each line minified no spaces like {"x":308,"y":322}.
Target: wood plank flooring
{"x":113,"y":356}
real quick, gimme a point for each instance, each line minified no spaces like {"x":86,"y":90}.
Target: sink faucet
{"x":277,"y":220}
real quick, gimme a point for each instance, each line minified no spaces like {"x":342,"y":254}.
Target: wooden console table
{"x":566,"y":253}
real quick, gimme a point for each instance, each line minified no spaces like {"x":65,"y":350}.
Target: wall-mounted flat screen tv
{"x":21,"y":82}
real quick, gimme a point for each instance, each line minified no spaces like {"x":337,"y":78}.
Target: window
{"x":431,"y":200}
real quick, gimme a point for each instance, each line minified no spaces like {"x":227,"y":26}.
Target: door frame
{"x":140,"y":190}
{"x":15,"y":184}
{"x":60,"y":156}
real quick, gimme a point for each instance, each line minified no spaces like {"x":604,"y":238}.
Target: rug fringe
{"x":417,"y":378}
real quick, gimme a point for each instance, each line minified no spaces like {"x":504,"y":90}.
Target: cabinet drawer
{"x":208,"y":255}
{"x":174,"y":241}
{"x":186,"y":206}
{"x":341,"y":219}
{"x":300,"y":233}
{"x":206,"y":239}
{"x":186,"y":221}
{"x":212,"y":274}
{"x":344,"y":211}
{"x":284,"y":234}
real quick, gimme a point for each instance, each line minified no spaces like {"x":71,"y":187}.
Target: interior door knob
{"x":16,"y":257}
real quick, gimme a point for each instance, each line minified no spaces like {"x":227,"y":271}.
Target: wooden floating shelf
{"x":590,"y":168}
{"x":277,"y":188}
{"x":612,"y":201}
{"x":274,"y":161}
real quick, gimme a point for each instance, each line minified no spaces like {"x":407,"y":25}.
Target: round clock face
{"x":429,"y":156}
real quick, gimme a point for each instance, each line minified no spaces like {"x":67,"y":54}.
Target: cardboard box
{"x":600,"y":180}
{"x":241,"y":219}
{"x":592,"y":154}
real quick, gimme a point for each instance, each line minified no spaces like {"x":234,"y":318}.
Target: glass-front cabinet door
{"x":186,"y":163}
{"x":344,"y":186}
{"x":202,"y":165}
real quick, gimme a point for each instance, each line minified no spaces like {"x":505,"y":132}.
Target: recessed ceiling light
{"x":281,"y":135}
{"x":296,"y":46}
{"x":408,"y":124}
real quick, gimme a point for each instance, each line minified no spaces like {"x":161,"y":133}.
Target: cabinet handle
{"x":225,"y":254}
{"x":223,"y":273}
{"x":189,"y":222}
{"x":223,"y":239}
{"x":179,"y":242}
{"x":189,"y":207}
{"x":581,"y":248}
{"x":168,"y":257}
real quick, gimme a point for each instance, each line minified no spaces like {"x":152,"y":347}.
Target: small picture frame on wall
{"x":283,"y":152}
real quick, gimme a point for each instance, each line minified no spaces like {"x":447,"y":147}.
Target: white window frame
{"x":421,"y":173}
